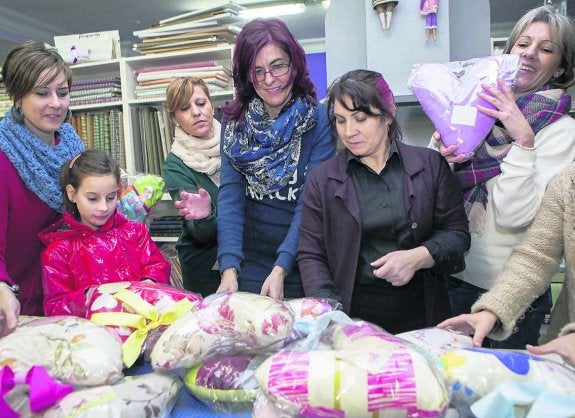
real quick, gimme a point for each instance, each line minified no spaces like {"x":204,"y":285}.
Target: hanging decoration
{"x":385,"y":10}
{"x":429,"y":8}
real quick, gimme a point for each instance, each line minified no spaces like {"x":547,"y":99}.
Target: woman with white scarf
{"x":192,"y":175}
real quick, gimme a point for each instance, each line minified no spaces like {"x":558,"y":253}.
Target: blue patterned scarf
{"x":37,"y":163}
{"x":540,"y":109}
{"x":266,"y":151}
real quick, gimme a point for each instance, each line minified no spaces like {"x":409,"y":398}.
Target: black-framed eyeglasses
{"x":276,"y":70}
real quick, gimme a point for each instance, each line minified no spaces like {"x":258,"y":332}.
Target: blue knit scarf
{"x":37,"y":163}
{"x":266,"y":151}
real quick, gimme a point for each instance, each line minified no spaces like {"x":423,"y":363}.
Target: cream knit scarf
{"x":201,"y":155}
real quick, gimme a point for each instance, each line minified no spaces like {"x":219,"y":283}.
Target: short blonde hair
{"x":180,"y":90}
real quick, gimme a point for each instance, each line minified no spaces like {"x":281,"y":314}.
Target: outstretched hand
{"x":194,"y":205}
{"x":477,"y":324}
{"x":564,"y":346}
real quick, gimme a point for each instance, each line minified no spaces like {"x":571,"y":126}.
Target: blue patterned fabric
{"x":38,"y":163}
{"x":266,"y":151}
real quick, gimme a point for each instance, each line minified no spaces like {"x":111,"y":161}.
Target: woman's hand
{"x":448,"y":152}
{"x":477,"y":324}
{"x":398,"y":267}
{"x":229,"y":281}
{"x":564,"y":346}
{"x":507,"y":112}
{"x":9,"y":311}
{"x":274,"y":284}
{"x":194,"y":206}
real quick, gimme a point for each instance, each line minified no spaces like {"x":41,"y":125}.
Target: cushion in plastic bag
{"x":448,"y":95}
{"x":73,"y":350}
{"x":224,"y":324}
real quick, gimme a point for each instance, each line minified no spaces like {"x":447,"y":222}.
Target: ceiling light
{"x":273,"y":11}
{"x":325,"y":3}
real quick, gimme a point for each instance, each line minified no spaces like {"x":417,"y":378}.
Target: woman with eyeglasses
{"x":274,"y":133}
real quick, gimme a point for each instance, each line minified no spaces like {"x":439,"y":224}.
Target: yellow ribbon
{"x":146,"y":319}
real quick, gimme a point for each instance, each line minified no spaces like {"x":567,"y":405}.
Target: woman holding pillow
{"x":380,"y":223}
{"x":504,"y":180}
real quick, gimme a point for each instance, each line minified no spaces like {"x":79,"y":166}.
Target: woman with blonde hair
{"x":192,"y":175}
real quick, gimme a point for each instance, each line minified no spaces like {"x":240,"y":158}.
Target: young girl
{"x":93,"y":243}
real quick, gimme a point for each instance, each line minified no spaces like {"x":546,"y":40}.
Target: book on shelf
{"x":120,"y":134}
{"x":215,"y":75}
{"x":195,"y":47}
{"x":197,"y":23}
{"x":103,"y":130}
{"x":229,"y":7}
{"x":200,"y":72}
{"x":156,"y":139}
{"x":90,"y":91}
{"x":175,"y":67}
{"x":97,"y":136}
{"x":96,"y":100}
{"x":175,"y":44}
{"x":96,"y":82}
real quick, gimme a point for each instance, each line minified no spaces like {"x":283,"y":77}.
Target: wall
{"x":355,"y":39}
{"x":317,"y":71}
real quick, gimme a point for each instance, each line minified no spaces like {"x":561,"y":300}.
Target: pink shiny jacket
{"x":77,"y":257}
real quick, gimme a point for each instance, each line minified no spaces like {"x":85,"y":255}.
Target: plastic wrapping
{"x":226,"y":384}
{"x":144,"y":396}
{"x":73,"y":350}
{"x":141,"y":192}
{"x":137,"y":312}
{"x":312,"y":307}
{"x":224,"y":324}
{"x":364,"y":372}
{"x":41,"y":390}
{"x":437,"y":341}
{"x":448,"y":95}
{"x":475,"y":372}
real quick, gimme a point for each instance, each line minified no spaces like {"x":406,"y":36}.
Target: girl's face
{"x":196,"y":117}
{"x":274,"y":90}
{"x":45,"y":108}
{"x":95,"y":198}
{"x":539,"y":58}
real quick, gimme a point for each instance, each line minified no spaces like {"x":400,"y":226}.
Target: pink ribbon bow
{"x":44,"y":390}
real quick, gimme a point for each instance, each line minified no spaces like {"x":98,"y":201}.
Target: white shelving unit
{"x":125,"y":67}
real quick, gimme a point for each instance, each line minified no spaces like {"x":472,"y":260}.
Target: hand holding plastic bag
{"x":448,"y":94}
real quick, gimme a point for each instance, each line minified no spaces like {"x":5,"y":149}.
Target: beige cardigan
{"x":533,"y":262}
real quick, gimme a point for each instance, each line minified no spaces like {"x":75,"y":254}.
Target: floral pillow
{"x":137,"y":312}
{"x":143,"y":396}
{"x":71,"y":349}
{"x":223,"y":324}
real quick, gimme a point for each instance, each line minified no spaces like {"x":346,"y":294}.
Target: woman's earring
{"x":17,"y":115}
